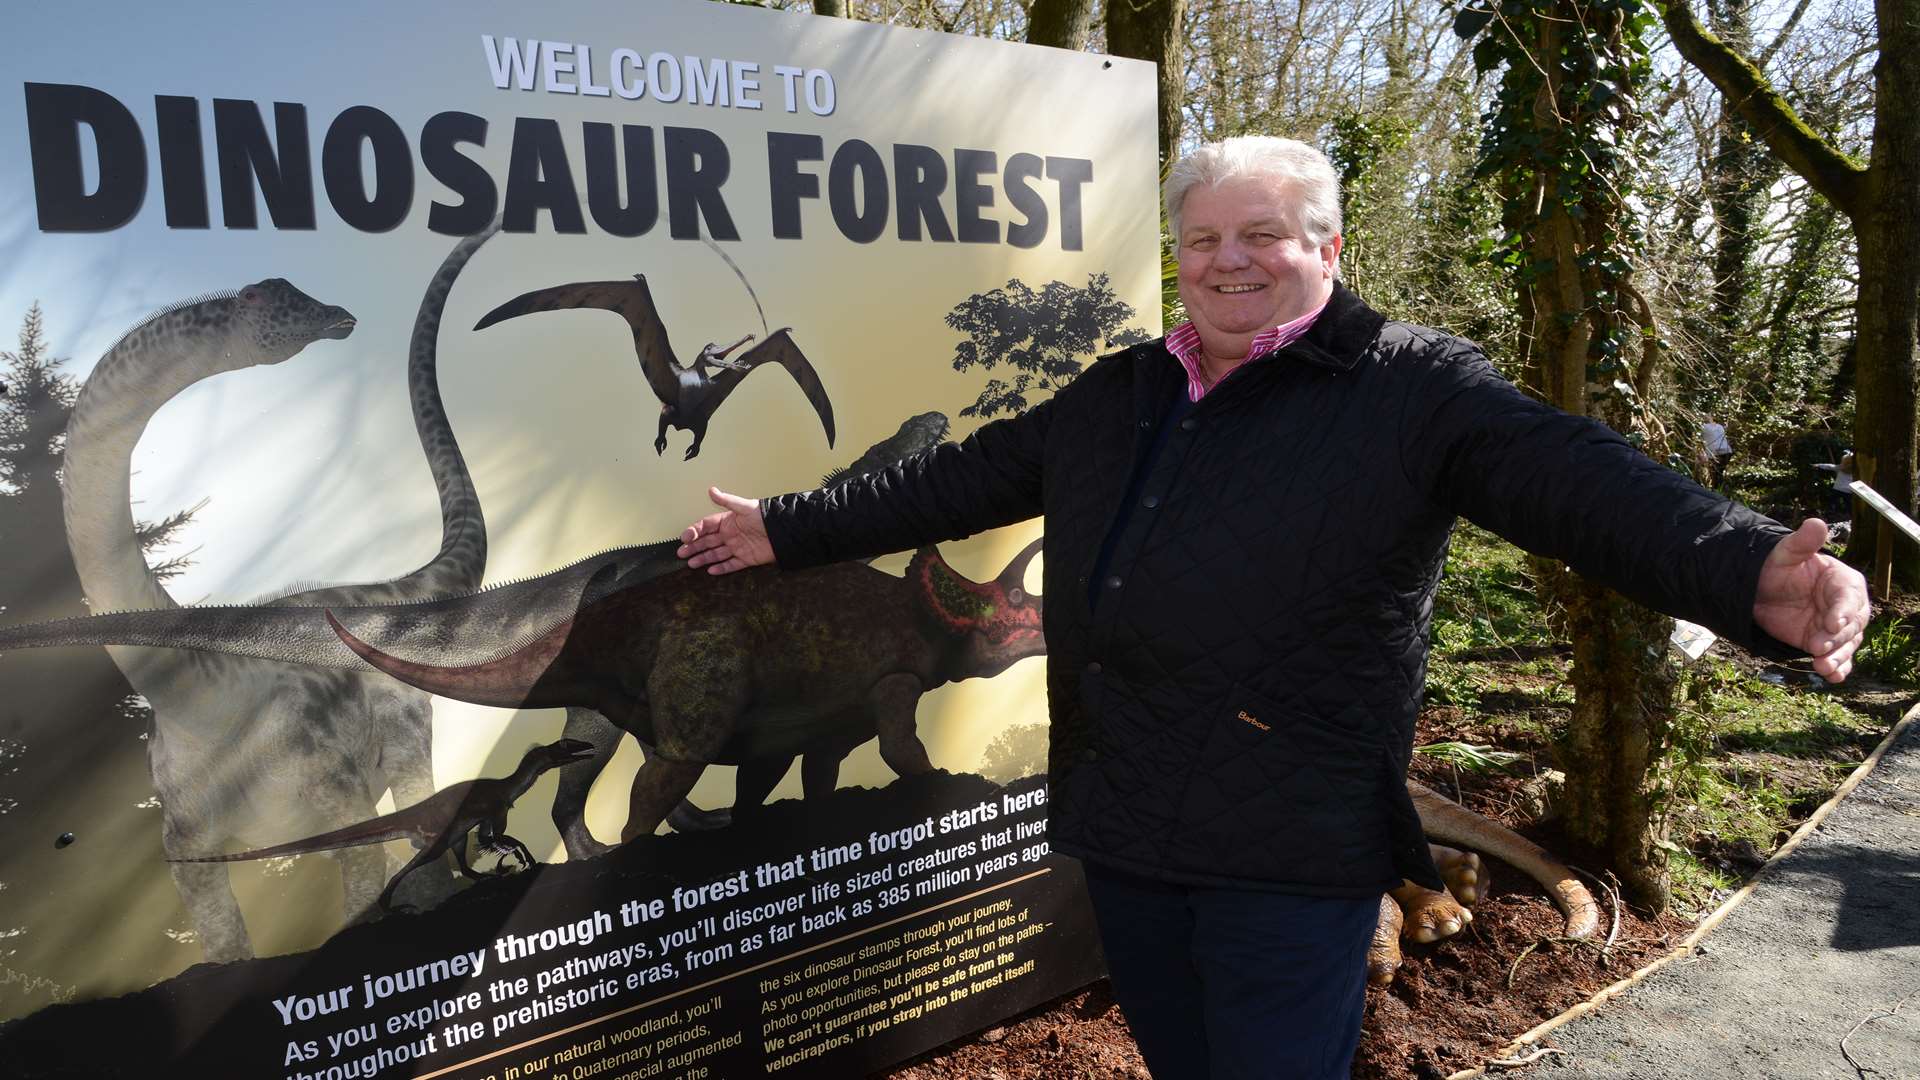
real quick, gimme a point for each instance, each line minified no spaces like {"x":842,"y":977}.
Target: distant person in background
{"x":1840,"y":493}
{"x":1719,"y":451}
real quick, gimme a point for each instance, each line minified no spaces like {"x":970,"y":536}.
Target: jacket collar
{"x":1336,"y":340}
{"x":1340,"y":336}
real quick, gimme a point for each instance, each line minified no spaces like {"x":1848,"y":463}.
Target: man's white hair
{"x":1313,"y":186}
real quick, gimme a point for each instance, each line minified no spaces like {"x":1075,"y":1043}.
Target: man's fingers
{"x":1802,"y":544}
{"x":1835,"y":666}
{"x":732,"y":502}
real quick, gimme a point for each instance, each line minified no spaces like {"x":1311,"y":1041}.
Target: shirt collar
{"x":1184,"y":343}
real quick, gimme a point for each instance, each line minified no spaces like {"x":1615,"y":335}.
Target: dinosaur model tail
{"x":1444,"y":819}
{"x":454,"y":630}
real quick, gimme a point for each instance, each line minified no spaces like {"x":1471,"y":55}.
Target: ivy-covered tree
{"x":1154,"y":30}
{"x":1563,"y":143}
{"x":1044,"y":336}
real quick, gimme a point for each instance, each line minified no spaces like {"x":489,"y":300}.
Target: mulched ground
{"x":1453,"y":1003}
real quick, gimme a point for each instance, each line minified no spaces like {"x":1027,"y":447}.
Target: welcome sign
{"x":419,"y":332}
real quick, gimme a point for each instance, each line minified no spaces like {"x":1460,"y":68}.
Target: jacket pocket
{"x":1280,"y":794}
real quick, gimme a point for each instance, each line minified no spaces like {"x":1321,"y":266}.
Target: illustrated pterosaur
{"x":689,"y":394}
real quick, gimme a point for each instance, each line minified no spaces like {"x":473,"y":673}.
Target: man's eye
{"x":1202,"y":243}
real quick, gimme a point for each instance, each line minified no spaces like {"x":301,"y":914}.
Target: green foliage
{"x":1563,"y":139}
{"x":1486,"y":597}
{"x":1891,"y":653}
{"x":1472,"y":757}
{"x":1043,"y":336}
{"x":1751,"y":760}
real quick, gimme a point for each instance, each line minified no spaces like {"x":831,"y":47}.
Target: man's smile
{"x":1238,"y":288}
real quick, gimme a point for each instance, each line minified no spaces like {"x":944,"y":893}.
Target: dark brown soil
{"x":1452,"y":1005}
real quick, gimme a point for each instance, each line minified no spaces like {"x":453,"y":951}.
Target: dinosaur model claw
{"x":1461,"y":871}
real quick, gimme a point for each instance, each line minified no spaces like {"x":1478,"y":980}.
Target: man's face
{"x":1244,"y":265}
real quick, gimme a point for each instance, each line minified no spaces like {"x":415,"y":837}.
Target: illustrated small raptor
{"x":689,"y":394}
{"x":439,"y":823}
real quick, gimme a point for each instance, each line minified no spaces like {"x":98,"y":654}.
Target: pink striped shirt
{"x":1184,"y":344}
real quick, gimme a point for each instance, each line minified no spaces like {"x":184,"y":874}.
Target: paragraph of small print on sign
{"x":831,"y":1002}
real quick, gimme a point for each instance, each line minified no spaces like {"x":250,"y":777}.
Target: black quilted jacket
{"x":1234,"y":705}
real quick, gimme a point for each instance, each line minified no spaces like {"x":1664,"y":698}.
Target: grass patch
{"x":1753,"y":753}
{"x":1890,"y":651}
{"x":1752,"y":759}
{"x":1486,"y":597}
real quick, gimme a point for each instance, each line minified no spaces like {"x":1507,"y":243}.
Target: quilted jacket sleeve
{"x":1571,"y":488}
{"x":989,"y":479}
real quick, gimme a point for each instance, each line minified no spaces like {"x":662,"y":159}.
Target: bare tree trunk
{"x":1887,"y":228}
{"x":1879,"y":200}
{"x":1154,"y":30}
{"x":1063,"y":24}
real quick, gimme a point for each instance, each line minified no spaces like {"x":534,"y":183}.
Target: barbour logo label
{"x":1254,"y":720}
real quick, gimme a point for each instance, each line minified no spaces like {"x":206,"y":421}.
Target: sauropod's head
{"x":277,"y":320}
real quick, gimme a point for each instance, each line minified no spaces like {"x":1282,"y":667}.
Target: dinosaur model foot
{"x":692,"y":452}
{"x":1461,"y":871}
{"x":660,"y":445}
{"x":1383,"y":955}
{"x":1430,"y":915}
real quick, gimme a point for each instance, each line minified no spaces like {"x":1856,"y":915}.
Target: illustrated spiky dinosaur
{"x":241,"y":749}
{"x":762,"y":665}
{"x":440,"y":823}
{"x":757,"y":665}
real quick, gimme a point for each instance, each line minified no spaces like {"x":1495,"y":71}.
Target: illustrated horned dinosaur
{"x":240,"y":749}
{"x":441,"y":822}
{"x":689,"y":394}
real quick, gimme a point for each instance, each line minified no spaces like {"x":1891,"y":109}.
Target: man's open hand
{"x":733,"y":539}
{"x":1813,"y":602}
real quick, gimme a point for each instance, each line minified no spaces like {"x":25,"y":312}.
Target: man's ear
{"x":1330,"y":253}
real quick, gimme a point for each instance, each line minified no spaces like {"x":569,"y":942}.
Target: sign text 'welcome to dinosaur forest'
{"x":922,"y":192}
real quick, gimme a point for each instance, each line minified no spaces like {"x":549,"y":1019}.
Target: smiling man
{"x":1245,"y":525}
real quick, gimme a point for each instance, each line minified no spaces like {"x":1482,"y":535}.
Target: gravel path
{"x":1826,"y":951}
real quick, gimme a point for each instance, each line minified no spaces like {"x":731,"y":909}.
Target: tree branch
{"x":1786,"y":31}
{"x":1832,"y":173}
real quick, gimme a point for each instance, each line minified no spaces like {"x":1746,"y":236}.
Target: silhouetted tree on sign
{"x":1043,"y":336}
{"x":1018,"y":751}
{"x":72,"y":755}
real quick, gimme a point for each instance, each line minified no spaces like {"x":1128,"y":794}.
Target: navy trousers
{"x":1222,"y":984}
